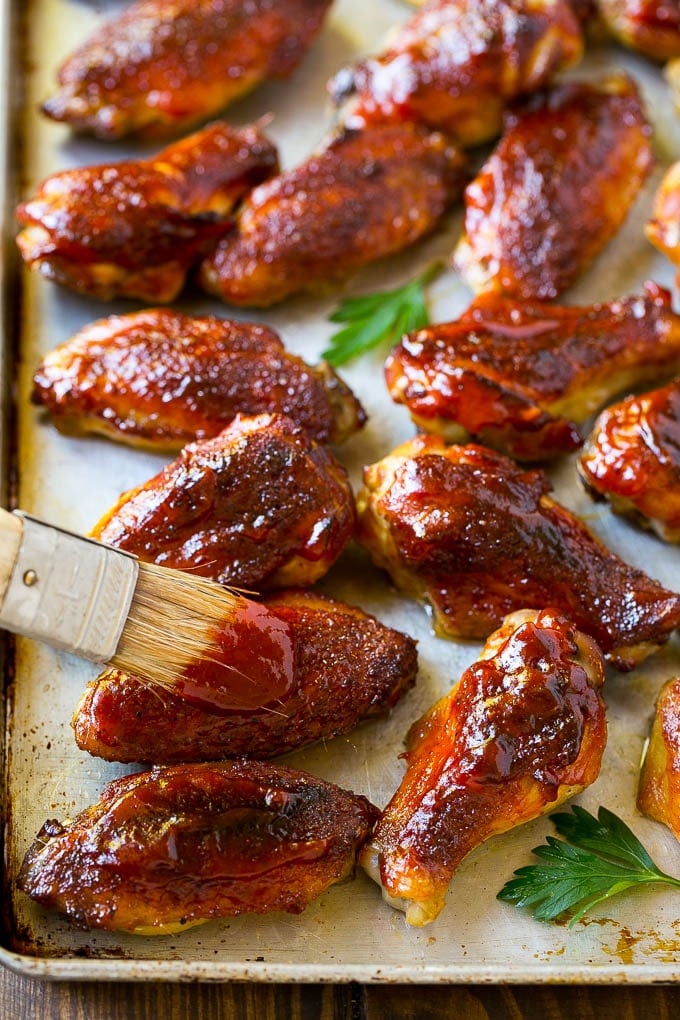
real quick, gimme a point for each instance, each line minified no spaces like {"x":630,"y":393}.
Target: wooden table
{"x":25,"y":999}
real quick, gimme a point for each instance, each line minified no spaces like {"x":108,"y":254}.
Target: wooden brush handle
{"x":68,"y":591}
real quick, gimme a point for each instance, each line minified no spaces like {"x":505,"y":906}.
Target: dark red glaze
{"x":651,"y":27}
{"x":633,"y":458}
{"x":456,"y":64}
{"x":162,"y":65}
{"x":479,"y":537}
{"x":259,"y":506}
{"x":348,"y":666}
{"x":523,"y":729}
{"x":162,"y":379}
{"x":193,"y":842}
{"x":555,"y":190}
{"x":135,"y":228}
{"x":521,"y":376}
{"x":253,"y":670}
{"x":366,"y":193}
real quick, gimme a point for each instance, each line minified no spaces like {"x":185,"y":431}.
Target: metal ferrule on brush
{"x":68,"y":591}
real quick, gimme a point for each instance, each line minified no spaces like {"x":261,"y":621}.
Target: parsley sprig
{"x":380,"y":317}
{"x":599,"y":858}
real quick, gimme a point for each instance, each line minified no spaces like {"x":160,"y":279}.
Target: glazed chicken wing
{"x":160,"y":379}
{"x":632,"y":459}
{"x":456,"y":64}
{"x":651,"y":27}
{"x":260,"y":506}
{"x":164,"y":850}
{"x":555,"y":190}
{"x":521,"y":376}
{"x":369,"y":192}
{"x":522,"y":730}
{"x":659,"y":787}
{"x":134,"y":229}
{"x":478,"y":537}
{"x":163,"y":65}
{"x":348,"y":666}
{"x":663,"y":228}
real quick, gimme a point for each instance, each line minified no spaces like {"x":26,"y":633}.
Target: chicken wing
{"x":260,"y":506}
{"x":651,"y":27}
{"x":164,"y":850}
{"x":163,"y":65}
{"x":632,"y":459}
{"x":521,"y":376}
{"x":523,"y":730}
{"x":555,"y":190}
{"x":134,"y":229}
{"x":348,"y":667}
{"x":367,"y":193}
{"x":663,"y":228}
{"x":160,"y":379}
{"x":456,"y":64}
{"x":659,"y":788}
{"x":478,"y":537}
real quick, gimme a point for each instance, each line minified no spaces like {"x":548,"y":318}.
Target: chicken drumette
{"x":367,"y":193}
{"x":135,"y":228}
{"x":521,"y":376}
{"x":659,"y":788}
{"x":478,"y":537}
{"x":162,"y":65}
{"x":348,"y":666}
{"x":170,"y":848}
{"x":663,"y":228}
{"x":651,"y":27}
{"x":160,"y":379}
{"x":522,"y":730}
{"x":260,"y":506}
{"x":632,"y":459}
{"x":456,"y":64}
{"x":555,"y":190}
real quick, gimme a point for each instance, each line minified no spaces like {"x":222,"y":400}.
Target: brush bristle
{"x":173,"y":621}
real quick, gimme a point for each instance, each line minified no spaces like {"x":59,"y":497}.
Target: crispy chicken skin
{"x":163,"y":65}
{"x":663,"y":227}
{"x":366,"y":193}
{"x":348,"y":666}
{"x":555,"y":190}
{"x":651,"y":27}
{"x":523,"y":730}
{"x":160,"y":379}
{"x":170,"y":848}
{"x":134,"y":229}
{"x":478,"y":537}
{"x":659,"y":787}
{"x":632,"y":459}
{"x":260,"y":506}
{"x":521,"y":376}
{"x":456,"y":64}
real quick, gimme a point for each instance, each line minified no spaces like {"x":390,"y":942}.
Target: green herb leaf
{"x":381,"y":317}
{"x":599,"y":858}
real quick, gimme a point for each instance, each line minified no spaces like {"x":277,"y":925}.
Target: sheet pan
{"x":349,"y":934}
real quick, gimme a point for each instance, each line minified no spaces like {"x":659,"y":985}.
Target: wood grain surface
{"x":26,"y":999}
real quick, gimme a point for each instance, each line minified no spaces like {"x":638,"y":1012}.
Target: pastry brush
{"x":176,"y":630}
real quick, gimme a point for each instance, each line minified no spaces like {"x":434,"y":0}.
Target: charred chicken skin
{"x":161,"y":379}
{"x":659,"y":787}
{"x":163,"y":65}
{"x":260,"y":506}
{"x":347,"y":667}
{"x":521,"y":376}
{"x":523,"y":730}
{"x":134,"y":229}
{"x":651,"y":27}
{"x":367,"y":193}
{"x":170,"y":848}
{"x":632,"y":459}
{"x":456,"y":64}
{"x":555,"y":190}
{"x":478,"y":537}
